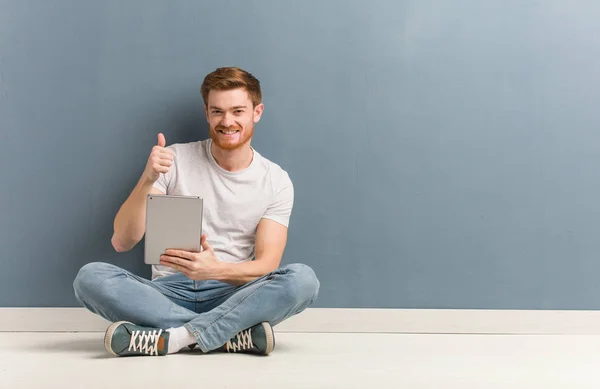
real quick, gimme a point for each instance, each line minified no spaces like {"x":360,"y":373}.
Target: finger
{"x":204,"y":243}
{"x":159,"y":160}
{"x":164,"y":262}
{"x":168,"y":156}
{"x":206,"y":246}
{"x":161,"y":140}
{"x":168,"y":263}
{"x":160,"y":169}
{"x":175,"y":262}
{"x":158,"y":154}
{"x":167,"y":151}
{"x":186,"y":255}
{"x":176,"y":267}
{"x":165,"y":162}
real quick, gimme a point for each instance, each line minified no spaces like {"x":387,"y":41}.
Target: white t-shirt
{"x":234,"y":202}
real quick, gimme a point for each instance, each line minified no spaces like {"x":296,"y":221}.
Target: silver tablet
{"x":171,"y":222}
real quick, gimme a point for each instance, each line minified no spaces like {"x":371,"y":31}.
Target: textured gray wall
{"x":445,"y":153}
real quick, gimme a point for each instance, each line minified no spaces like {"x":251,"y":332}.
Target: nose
{"x":227,"y":120}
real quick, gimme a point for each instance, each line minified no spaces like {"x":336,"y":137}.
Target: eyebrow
{"x":221,"y":109}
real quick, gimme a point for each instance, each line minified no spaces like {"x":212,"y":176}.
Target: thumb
{"x":162,"y":142}
{"x":205,"y":245}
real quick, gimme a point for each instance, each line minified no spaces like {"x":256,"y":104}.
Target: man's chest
{"x":233,"y":205}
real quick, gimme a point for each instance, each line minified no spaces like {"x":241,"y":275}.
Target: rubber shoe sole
{"x":109,"y":334}
{"x":270,"y":337}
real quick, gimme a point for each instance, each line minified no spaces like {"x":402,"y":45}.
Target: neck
{"x":233,"y":160}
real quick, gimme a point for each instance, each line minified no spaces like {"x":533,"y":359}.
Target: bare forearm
{"x":242,"y":273}
{"x":129,"y":224}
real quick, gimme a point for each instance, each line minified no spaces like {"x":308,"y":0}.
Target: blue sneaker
{"x":124,"y":339}
{"x":259,"y":339}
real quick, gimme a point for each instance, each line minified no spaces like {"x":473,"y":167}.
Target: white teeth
{"x":228,"y":132}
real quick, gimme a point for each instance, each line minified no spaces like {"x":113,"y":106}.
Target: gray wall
{"x":445,"y":153}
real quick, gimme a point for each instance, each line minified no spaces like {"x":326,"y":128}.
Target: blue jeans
{"x":212,"y":311}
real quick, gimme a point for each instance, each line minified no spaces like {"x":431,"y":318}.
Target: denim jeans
{"x":212,"y":311}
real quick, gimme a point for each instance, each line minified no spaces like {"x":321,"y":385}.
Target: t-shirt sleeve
{"x":280,"y":208}
{"x":165,"y":181}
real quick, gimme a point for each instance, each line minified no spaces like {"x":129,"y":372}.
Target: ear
{"x":258,"y":110}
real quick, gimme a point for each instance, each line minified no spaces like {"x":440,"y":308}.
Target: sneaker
{"x":259,"y":339}
{"x":124,"y":338}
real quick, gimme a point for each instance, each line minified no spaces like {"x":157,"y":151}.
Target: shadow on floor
{"x":94,"y":344}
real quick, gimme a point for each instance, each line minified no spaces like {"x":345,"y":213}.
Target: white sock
{"x":179,"y":338}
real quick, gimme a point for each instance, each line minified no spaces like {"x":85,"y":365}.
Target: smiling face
{"x":231,"y":115}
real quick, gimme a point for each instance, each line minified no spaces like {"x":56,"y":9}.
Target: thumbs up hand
{"x":159,"y":161}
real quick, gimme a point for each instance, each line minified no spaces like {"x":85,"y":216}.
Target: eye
{"x":216,"y":112}
{"x":238,"y":111}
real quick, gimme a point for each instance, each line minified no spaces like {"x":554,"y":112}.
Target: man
{"x":228,"y":296}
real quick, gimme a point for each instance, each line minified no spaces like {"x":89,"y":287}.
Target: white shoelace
{"x":244,"y":341}
{"x":147,"y":341}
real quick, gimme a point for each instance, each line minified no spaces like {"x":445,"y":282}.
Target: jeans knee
{"x":305,"y":284}
{"x":90,"y":277}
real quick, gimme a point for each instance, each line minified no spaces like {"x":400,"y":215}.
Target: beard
{"x":239,"y":140}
